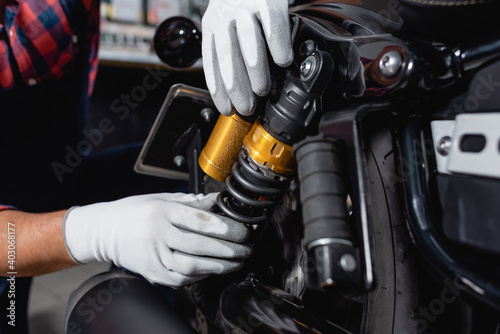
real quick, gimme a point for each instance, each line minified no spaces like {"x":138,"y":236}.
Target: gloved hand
{"x":234,"y":49}
{"x":170,"y":239}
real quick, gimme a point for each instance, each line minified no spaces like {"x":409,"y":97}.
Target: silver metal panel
{"x":483,"y":163}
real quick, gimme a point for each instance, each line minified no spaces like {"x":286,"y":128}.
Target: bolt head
{"x":390,"y":64}
{"x":348,"y":263}
{"x":444,"y":146}
{"x":207,"y":114}
{"x":308,"y":68}
{"x":179,"y":160}
{"x":305,"y":67}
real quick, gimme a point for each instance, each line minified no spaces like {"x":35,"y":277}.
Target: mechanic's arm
{"x":170,"y":239}
{"x":39,"y":243}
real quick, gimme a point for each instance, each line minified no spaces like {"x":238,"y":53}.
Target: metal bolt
{"x":179,"y":160}
{"x":307,"y":68}
{"x":207,"y":114}
{"x":444,"y":146}
{"x":390,"y":63}
{"x":348,"y":263}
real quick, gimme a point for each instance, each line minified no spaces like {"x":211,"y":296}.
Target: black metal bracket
{"x":347,"y":126}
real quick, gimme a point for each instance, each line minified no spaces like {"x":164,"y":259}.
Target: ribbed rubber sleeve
{"x":322,"y":190}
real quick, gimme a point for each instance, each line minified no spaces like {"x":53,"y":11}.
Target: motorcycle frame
{"x":453,"y":63}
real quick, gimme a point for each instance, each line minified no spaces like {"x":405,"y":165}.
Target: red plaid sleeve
{"x":6,"y":75}
{"x":43,"y":43}
{"x":93,"y":35}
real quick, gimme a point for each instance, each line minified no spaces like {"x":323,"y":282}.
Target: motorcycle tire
{"x":407,"y":298}
{"x":389,"y":306}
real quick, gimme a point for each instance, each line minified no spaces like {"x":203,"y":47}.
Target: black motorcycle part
{"x":389,"y":265}
{"x":322,"y":190}
{"x":177,"y":42}
{"x":482,"y":94}
{"x":471,"y":211}
{"x":328,"y":238}
{"x":287,"y":118}
{"x":465,"y":271}
{"x":249,"y":307}
{"x":118,"y":303}
{"x":463,"y":18}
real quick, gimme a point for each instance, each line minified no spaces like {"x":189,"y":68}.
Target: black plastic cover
{"x":471,"y":213}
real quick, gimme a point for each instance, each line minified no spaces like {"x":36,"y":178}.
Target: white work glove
{"x":170,"y":239}
{"x":234,"y":50}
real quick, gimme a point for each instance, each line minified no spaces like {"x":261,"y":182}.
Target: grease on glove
{"x":170,"y":239}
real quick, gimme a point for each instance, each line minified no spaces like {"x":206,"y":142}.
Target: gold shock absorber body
{"x":232,"y":133}
{"x":268,"y":151}
{"x":222,"y":148}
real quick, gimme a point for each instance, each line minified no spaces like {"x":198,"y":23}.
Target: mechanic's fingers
{"x":253,"y":48}
{"x":199,"y":201}
{"x":276,"y":24}
{"x":185,"y":264}
{"x":210,"y":224}
{"x":202,"y":202}
{"x":174,"y":279}
{"x":202,"y":245}
{"x":213,"y":76}
{"x":234,"y":76}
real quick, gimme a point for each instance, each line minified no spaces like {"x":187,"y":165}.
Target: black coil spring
{"x":251,"y":194}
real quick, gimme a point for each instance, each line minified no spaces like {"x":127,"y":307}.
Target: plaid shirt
{"x":39,"y":35}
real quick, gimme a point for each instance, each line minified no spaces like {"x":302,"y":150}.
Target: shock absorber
{"x":265,"y":164}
